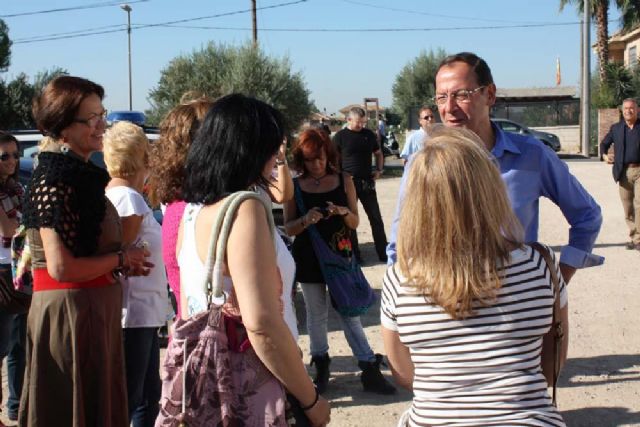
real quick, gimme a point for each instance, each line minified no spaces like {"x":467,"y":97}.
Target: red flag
{"x":558,"y":76}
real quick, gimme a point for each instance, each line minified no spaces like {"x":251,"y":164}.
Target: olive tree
{"x":414,"y":85}
{"x":217,"y":70}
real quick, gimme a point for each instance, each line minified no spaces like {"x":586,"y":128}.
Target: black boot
{"x":372,"y":379}
{"x":322,"y":371}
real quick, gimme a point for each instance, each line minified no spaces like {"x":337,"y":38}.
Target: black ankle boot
{"x":372,"y":379}
{"x":322,"y":371}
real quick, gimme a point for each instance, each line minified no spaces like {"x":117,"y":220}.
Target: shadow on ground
{"x":599,"y":417}
{"x":600,"y":370}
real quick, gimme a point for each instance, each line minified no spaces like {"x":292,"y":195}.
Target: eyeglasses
{"x":93,"y":120}
{"x":460,"y":96}
{"x":426,"y":118}
{"x":6,"y":156}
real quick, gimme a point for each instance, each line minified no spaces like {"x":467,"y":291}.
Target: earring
{"x":64,"y":148}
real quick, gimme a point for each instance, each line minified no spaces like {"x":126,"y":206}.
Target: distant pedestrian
{"x":418,"y":138}
{"x":355,"y":145}
{"x":625,"y":136}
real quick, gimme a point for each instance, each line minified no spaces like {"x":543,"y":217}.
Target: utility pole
{"x":255,"y":23}
{"x":128,"y":9}
{"x":585,"y":97}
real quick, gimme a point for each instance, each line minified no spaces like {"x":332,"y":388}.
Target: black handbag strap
{"x":556,"y":324}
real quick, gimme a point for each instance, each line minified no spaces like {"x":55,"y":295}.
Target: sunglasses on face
{"x":427,"y":118}
{"x":6,"y":156}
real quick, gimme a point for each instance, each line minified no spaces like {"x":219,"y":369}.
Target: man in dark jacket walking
{"x":625,"y":136}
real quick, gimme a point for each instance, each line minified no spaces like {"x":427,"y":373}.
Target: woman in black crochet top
{"x":75,"y":371}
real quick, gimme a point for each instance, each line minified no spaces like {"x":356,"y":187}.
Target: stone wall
{"x":569,"y":137}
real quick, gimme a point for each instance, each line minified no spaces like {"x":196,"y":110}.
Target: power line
{"x":81,"y":33}
{"x":418,"y":12}
{"x":66,"y":9}
{"x":378,"y":30}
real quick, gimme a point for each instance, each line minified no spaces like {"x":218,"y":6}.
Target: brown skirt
{"x":75,"y":367}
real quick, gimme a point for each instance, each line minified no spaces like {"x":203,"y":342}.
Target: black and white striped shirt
{"x":483,"y":370}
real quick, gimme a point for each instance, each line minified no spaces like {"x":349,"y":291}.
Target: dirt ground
{"x":600,"y":384}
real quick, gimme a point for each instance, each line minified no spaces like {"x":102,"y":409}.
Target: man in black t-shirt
{"x":356,"y":144}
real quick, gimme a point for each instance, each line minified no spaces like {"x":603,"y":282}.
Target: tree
{"x":5,"y":47}
{"x":414,"y":85}
{"x":217,"y":70}
{"x":629,"y":18}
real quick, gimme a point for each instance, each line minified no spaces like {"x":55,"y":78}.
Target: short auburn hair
{"x":310,"y":143}
{"x":58,"y":104}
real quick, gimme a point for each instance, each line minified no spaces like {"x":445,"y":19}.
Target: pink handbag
{"x":204,"y":381}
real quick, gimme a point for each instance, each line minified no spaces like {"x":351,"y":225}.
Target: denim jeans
{"x":316,"y":300}
{"x":142,"y":364}
{"x":13,"y":331}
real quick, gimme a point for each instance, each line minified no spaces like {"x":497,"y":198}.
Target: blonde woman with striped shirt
{"x":465,"y":308}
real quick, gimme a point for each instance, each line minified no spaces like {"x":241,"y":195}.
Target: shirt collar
{"x":502,"y":143}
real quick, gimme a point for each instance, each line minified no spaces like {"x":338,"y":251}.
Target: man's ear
{"x":491,"y":94}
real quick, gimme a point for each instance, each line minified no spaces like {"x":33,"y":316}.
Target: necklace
{"x":316,"y":181}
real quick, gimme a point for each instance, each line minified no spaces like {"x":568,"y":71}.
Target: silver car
{"x":548,"y":139}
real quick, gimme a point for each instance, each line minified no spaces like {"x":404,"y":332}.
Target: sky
{"x":520,"y":40}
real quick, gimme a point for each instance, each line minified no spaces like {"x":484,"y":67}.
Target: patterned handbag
{"x":206,"y":382}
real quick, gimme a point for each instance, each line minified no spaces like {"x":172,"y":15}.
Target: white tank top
{"x":192,"y":271}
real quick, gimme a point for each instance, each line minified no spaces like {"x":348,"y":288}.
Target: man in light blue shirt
{"x":465,"y":93}
{"x":417,"y":138}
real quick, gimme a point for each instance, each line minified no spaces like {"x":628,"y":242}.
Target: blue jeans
{"x":13,"y":331}
{"x":316,"y":302}
{"x":142,"y":364}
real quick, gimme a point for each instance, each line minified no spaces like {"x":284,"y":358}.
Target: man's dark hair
{"x":478,"y":66}
{"x":238,"y":136}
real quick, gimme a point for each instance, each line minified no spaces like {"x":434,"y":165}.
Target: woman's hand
{"x":313,"y":216}
{"x":337,"y":210}
{"x":320,"y":413}
{"x":282,"y":152}
{"x":135,"y":261}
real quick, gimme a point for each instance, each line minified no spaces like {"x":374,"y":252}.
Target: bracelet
{"x":306,"y":408}
{"x":281,"y":162}
{"x":302,"y":222}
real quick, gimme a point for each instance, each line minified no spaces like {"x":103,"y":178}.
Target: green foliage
{"x":16,"y":96}
{"x":620,"y":83}
{"x":5,"y":47}
{"x":414,"y":85}
{"x":217,"y":70}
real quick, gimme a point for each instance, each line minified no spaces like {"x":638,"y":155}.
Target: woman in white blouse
{"x":144,"y":302}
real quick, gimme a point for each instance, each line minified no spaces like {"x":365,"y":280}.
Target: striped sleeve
{"x":388,"y":300}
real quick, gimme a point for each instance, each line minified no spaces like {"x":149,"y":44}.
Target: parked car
{"x":548,"y":139}
{"x":136,"y":117}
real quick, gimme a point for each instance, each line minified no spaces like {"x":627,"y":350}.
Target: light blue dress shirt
{"x":530,"y":170}
{"x":414,"y":143}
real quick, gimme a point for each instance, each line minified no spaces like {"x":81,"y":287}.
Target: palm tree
{"x":599,"y":12}
{"x":629,"y":18}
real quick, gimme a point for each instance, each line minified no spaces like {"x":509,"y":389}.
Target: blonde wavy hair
{"x":169,"y":153}
{"x":126,"y":149}
{"x":456,"y":225}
